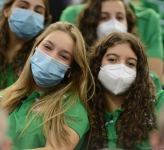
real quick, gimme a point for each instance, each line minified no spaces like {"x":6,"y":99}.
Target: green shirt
{"x":111,"y":119}
{"x":147,"y":23}
{"x":9,"y":78}
{"x":156,"y":81}
{"x":158,"y":6}
{"x":33,"y":136}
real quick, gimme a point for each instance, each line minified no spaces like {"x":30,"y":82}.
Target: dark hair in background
{"x":137,"y":118}
{"x":4,"y":40}
{"x":90,"y":17}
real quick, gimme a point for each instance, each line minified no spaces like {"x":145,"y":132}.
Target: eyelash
{"x":47,"y":47}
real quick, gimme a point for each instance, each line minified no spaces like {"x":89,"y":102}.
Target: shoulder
{"x":144,"y":13}
{"x":71,"y":13}
{"x":160,"y":100}
{"x":76,"y":117}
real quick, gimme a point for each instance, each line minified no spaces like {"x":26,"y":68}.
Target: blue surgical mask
{"x":25,"y":23}
{"x":47,"y":71}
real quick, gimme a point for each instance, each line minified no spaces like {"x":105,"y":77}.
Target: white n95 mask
{"x":116,"y":78}
{"x":110,"y":26}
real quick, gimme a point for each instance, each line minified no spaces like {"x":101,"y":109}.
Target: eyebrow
{"x":135,"y":59}
{"x":38,"y":5}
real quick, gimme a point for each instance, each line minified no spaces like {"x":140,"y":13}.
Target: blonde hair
{"x":52,"y":103}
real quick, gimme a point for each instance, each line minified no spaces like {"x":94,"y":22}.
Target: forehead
{"x":113,"y":6}
{"x":123,"y":49}
{"x":59,"y":35}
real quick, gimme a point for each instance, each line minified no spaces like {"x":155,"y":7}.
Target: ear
{"x":6,"y":12}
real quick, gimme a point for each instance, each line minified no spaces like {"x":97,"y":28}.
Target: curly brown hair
{"x":21,"y":57}
{"x":138,"y":104}
{"x":89,"y":18}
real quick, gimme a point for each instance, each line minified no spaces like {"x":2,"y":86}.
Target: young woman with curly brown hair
{"x":122,"y":108}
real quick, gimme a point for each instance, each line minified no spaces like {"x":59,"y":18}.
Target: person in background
{"x":98,"y":18}
{"x":122,"y":110}
{"x":46,"y":104}
{"x":20,"y":23}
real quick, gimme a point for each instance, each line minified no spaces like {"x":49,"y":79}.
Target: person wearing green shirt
{"x":98,"y":18}
{"x":123,"y":106}
{"x":47,"y":104}
{"x":156,"y":5}
{"x":20,"y":22}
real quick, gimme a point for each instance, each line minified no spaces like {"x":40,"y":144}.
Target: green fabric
{"x":33,"y":136}
{"x":156,"y":81}
{"x":9,"y":76}
{"x":158,"y":6}
{"x":111,"y":119}
{"x":147,"y":23}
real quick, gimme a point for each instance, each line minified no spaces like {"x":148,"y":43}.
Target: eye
{"x":120,"y":18}
{"x":131,"y":64}
{"x":112,"y":59}
{"x":47,"y":47}
{"x":104,"y":17}
{"x":64,"y":57}
{"x":39,"y":10}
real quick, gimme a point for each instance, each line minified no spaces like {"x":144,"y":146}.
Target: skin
{"x":16,"y":43}
{"x":113,"y":10}
{"x":116,"y":10}
{"x":60,"y":45}
{"x":119,"y":54}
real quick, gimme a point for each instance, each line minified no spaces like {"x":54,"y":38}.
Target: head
{"x":38,"y":11}
{"x":101,"y":15}
{"x":126,"y":51}
{"x":61,"y":44}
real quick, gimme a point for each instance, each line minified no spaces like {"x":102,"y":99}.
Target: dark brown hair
{"x":137,"y":118}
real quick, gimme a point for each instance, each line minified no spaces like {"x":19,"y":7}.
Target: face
{"x":113,"y":10}
{"x":120,"y":54}
{"x":37,"y":6}
{"x":58,"y":45}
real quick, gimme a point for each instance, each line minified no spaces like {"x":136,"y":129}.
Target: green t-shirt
{"x":111,"y":119}
{"x":158,"y":6}
{"x":9,"y":79}
{"x":147,"y":23}
{"x":156,"y":81}
{"x":33,"y":136}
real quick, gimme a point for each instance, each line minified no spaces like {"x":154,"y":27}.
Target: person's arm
{"x":74,"y":140}
{"x":156,"y":65}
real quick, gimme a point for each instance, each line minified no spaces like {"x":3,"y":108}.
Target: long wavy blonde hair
{"x":51,"y":104}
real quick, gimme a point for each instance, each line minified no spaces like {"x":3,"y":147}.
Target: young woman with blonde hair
{"x":47,"y":103}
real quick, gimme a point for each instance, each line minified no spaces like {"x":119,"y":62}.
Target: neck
{"x":113,"y":101}
{"x":15,"y":45}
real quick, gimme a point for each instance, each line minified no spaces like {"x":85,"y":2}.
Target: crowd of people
{"x":89,"y":77}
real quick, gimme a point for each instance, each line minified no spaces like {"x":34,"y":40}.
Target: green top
{"x":111,"y":119}
{"x":158,"y":6}
{"x":147,"y":23}
{"x":33,"y":137}
{"x":9,"y":78}
{"x":156,"y":81}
